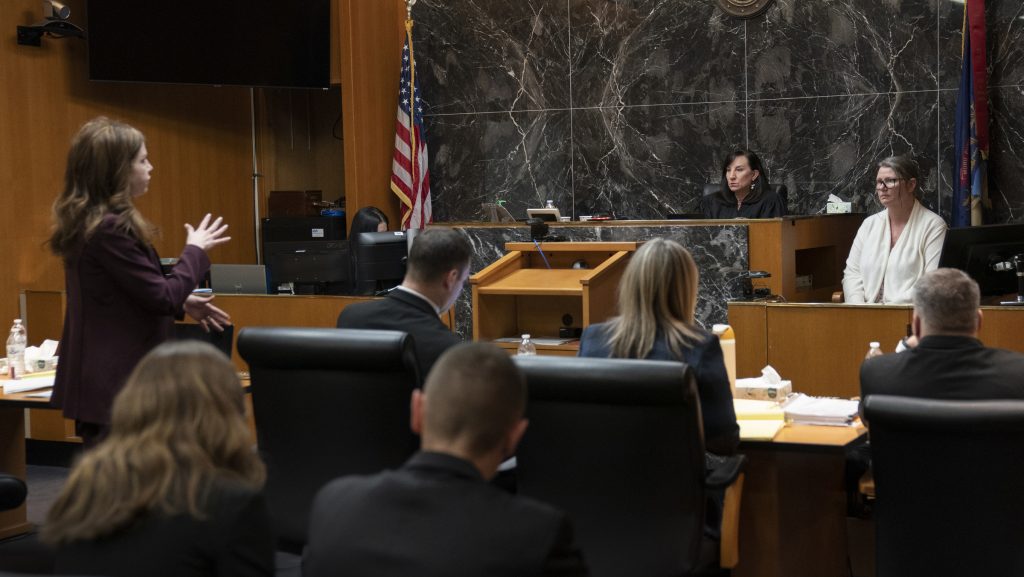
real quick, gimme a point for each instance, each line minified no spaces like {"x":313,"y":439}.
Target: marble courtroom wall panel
{"x":629,"y":106}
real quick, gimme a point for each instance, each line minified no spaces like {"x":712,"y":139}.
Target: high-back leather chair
{"x":327,"y":403}
{"x":948,"y":485}
{"x":618,"y":445}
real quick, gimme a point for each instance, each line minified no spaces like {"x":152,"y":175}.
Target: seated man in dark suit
{"x":948,"y":361}
{"x":438,"y":515}
{"x":438,"y":266}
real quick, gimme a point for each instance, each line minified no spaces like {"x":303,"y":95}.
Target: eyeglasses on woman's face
{"x":887,"y":183}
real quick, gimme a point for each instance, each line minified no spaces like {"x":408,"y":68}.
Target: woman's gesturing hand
{"x":208,"y":234}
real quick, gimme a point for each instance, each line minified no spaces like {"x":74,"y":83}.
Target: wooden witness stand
{"x":523,"y":293}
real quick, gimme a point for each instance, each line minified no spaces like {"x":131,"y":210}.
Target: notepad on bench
{"x":758,"y":420}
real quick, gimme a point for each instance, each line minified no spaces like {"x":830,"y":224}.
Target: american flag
{"x":410,"y":178}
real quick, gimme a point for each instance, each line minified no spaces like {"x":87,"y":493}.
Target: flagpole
{"x":412,"y":111}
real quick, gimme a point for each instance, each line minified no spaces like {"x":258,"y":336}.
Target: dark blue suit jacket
{"x":721,"y":432}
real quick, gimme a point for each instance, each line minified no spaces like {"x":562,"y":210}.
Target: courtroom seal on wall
{"x":743,"y":8}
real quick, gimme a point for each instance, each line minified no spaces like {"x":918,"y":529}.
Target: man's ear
{"x":514,"y":436}
{"x":416,"y":403}
{"x":450,"y":278}
{"x":980,"y":318}
{"x":915,"y":325}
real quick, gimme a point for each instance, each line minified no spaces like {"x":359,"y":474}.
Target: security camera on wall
{"x":55,"y":24}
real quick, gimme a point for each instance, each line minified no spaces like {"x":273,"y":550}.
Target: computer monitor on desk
{"x":380,"y":260}
{"x":987,"y":254}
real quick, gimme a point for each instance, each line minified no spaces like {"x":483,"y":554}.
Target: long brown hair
{"x":96,"y":183}
{"x":658,"y":292}
{"x":176,"y":428}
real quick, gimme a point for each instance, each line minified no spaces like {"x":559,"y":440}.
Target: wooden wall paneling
{"x":1001,"y":328}
{"x":371,"y":47}
{"x":198,"y":138}
{"x":820,"y":347}
{"x":767,"y":244}
{"x":298,"y":147}
{"x":748,"y":322}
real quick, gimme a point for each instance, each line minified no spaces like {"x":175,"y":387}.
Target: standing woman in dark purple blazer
{"x":119,"y":303}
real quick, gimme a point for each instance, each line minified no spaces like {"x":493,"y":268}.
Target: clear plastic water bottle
{"x":526,"y":346}
{"x":874,"y":351}
{"x":16,"y":350}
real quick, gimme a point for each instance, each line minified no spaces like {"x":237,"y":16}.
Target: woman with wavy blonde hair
{"x":657,"y":301}
{"x":175,"y":487}
{"x":119,"y":303}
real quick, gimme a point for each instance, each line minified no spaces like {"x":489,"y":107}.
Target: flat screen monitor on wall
{"x":281,"y":43}
{"x":986,"y":254}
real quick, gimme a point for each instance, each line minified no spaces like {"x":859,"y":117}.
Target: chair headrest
{"x":612,"y":381}
{"x":323,"y":348}
{"x":896,"y":412}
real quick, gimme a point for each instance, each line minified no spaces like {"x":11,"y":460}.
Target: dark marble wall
{"x":629,"y":106}
{"x":720,"y":253}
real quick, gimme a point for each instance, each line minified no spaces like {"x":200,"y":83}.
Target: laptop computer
{"x":248,"y":279}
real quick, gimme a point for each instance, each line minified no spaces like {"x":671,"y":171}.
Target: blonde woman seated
{"x":896,"y":247}
{"x":174,"y":490}
{"x":657,"y":299}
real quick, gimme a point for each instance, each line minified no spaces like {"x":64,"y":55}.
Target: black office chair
{"x":327,"y":403}
{"x":618,"y":445}
{"x":12,"y":492}
{"x":948,"y":478}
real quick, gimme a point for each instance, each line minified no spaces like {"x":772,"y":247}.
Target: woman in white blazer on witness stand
{"x":897,"y":246}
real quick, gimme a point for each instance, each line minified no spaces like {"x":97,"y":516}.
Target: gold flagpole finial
{"x":408,"y":8}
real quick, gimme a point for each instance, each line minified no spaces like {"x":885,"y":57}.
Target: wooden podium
{"x":540,"y":291}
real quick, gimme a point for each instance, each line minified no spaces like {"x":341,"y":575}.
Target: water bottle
{"x":874,"y":351}
{"x":550,"y":204}
{"x":526,"y":346}
{"x":16,"y":350}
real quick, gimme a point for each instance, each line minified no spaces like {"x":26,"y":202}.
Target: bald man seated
{"x":437,"y":515}
{"x":948,"y":361}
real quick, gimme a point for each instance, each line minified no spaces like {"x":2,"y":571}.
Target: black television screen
{"x":380,"y":260}
{"x":282,"y":43}
{"x":986,"y":254}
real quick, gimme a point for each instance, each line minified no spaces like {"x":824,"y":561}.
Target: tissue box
{"x":762,"y":391}
{"x":837,"y":208}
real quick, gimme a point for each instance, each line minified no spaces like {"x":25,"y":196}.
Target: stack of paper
{"x":804,"y":410}
{"x":758,"y":420}
{"x":27,"y":384}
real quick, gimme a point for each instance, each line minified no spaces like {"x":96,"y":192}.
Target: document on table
{"x":28,"y":384}
{"x":759,"y":429}
{"x":806,"y":410}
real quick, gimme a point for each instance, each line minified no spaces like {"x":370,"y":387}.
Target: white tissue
{"x":834,"y":198}
{"x":43,"y":352}
{"x":770,"y":375}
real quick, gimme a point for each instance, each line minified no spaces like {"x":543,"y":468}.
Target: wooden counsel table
{"x":44,"y":318}
{"x":12,"y":454}
{"x":793,"y":514}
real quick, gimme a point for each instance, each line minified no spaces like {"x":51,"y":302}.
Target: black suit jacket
{"x":434,"y":517}
{"x":233,"y":540}
{"x":946,"y":367}
{"x":402,"y":311}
